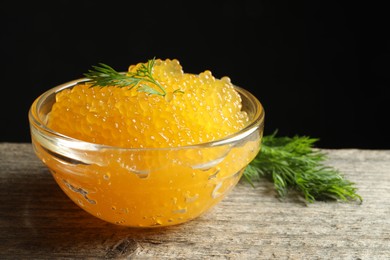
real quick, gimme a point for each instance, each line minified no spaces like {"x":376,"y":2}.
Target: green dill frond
{"x":294,"y":163}
{"x":104,"y":75}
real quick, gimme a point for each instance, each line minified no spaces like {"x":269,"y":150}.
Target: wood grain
{"x":37,"y":221}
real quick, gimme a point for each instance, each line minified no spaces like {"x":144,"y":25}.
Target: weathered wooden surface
{"x":37,"y":221}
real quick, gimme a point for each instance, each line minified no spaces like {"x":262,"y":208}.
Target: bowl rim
{"x":254,"y":124}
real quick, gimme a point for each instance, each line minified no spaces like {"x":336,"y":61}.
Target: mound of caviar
{"x":204,"y":109}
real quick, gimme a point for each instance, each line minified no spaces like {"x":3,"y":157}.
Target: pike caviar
{"x":205,"y":109}
{"x":168,"y":182}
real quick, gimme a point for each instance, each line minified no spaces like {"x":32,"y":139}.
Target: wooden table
{"x":37,"y":221}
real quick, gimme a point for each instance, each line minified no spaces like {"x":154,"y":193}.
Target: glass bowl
{"x":146,"y":187}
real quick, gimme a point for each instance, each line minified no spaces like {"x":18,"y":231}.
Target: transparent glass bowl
{"x":146,"y":187}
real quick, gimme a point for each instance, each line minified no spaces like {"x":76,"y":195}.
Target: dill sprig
{"x":104,"y":75}
{"x":293,"y":163}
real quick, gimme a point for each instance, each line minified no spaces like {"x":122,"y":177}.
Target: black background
{"x":320,"y":69}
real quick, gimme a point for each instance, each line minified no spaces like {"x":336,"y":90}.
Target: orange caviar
{"x":155,"y":178}
{"x":205,"y":109}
